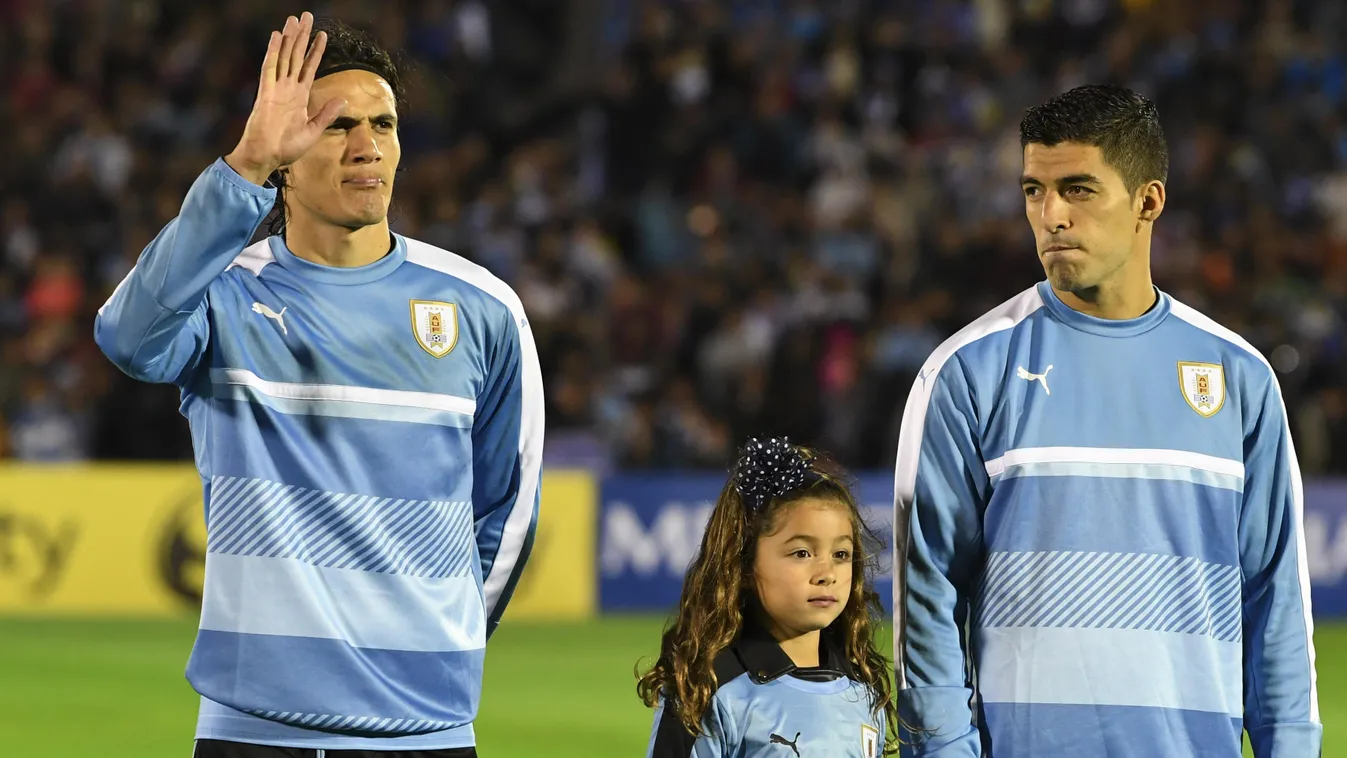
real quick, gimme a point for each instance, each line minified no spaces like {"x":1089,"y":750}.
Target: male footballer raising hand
{"x":367,"y":415}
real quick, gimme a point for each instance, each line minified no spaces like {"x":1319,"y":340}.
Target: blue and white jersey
{"x":1099,"y":542}
{"x":766,"y":707}
{"x":370,"y":446}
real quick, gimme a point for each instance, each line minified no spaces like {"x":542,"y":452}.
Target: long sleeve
{"x":1281,"y":711}
{"x":670,"y":739}
{"x":507,"y":450}
{"x":154,"y":327}
{"x":940,"y":493}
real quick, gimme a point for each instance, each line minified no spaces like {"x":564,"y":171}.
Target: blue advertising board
{"x":650,"y":528}
{"x":1326,"y":546}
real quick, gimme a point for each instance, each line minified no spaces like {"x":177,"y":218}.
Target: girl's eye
{"x":801,"y":553}
{"x":842,"y":555}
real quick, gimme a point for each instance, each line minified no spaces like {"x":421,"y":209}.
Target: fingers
{"x":314,"y":57}
{"x":301,"y":44}
{"x":288,"y":38}
{"x":327,"y":114}
{"x":270,"y":59}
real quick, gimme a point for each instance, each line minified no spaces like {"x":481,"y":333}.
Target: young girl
{"x":771,"y":653}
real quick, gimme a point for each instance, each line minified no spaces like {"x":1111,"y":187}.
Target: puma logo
{"x":269,"y":313}
{"x":779,"y":740}
{"x":1040,"y":378}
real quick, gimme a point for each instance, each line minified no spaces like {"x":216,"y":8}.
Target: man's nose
{"x":1056,"y":213}
{"x":361,"y":146}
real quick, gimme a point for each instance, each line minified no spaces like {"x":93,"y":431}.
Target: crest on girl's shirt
{"x":869,"y":741}
{"x":1203,"y":386}
{"x":435,"y":325}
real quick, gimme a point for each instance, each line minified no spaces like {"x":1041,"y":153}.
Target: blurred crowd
{"x":724,"y":218}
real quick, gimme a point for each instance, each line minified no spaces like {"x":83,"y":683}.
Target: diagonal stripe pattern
{"x":369,"y":724}
{"x":423,"y":538}
{"x":1162,"y":593}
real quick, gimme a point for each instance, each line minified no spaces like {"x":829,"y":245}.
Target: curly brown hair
{"x":719,"y":594}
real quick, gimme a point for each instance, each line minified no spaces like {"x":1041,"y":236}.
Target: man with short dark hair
{"x":1098,"y":506}
{"x":367,"y":415}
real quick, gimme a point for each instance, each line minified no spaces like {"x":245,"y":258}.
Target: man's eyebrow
{"x":346,"y":122}
{"x":1069,"y":179}
{"x":1080,"y":179}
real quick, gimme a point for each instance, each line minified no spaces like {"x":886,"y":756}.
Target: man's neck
{"x":1128,"y":295}
{"x":1114,"y":306}
{"x":337,"y":246}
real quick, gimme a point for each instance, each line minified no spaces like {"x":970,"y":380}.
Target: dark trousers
{"x":222,"y":749}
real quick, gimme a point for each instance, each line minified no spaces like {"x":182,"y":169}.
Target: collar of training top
{"x":758,"y":654}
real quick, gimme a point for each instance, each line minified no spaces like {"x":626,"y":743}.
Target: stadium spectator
{"x":727,"y":216}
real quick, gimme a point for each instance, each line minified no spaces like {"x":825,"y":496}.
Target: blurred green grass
{"x":76,"y":688}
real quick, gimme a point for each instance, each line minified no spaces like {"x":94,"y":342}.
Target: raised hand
{"x":280,"y":128}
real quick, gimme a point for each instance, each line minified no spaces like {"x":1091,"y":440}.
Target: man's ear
{"x":1152,"y":201}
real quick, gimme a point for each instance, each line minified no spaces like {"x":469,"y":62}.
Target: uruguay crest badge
{"x":435,"y":325}
{"x":1203,"y":386}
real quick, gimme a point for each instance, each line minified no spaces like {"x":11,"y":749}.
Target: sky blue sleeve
{"x":154,"y":327}
{"x":1281,"y":712}
{"x":941,"y":487}
{"x":670,"y":739}
{"x":507,"y":442}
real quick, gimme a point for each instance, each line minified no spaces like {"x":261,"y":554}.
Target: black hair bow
{"x":769,"y":468}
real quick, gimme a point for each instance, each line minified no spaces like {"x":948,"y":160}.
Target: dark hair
{"x":346,"y":46}
{"x":719,"y":594}
{"x":1123,"y":124}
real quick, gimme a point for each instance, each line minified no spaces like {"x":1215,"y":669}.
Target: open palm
{"x":280,"y":128}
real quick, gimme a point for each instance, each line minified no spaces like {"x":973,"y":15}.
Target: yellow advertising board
{"x":130,"y":540}
{"x":95,"y":540}
{"x":560,"y":580}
